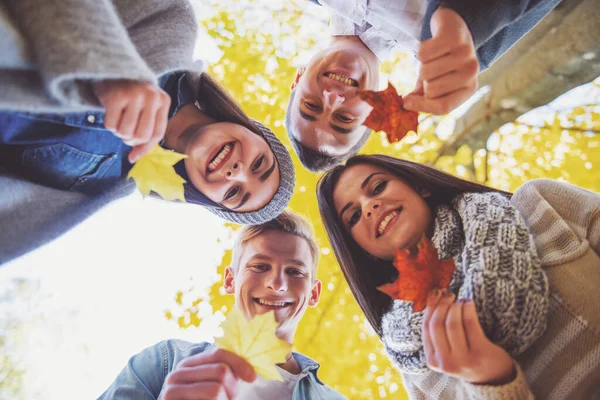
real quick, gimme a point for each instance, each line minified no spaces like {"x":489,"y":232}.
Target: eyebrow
{"x":244,"y":200}
{"x":265,"y":257}
{"x":306,"y":116}
{"x":362,"y":186}
{"x":341,"y":130}
{"x":336,"y":128}
{"x":268,"y":172}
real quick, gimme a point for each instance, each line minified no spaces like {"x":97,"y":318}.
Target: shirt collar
{"x":308,"y":364}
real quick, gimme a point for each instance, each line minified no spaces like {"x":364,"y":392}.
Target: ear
{"x":423,"y":192}
{"x":315,"y":294}
{"x":299,"y":73}
{"x":228,"y":279}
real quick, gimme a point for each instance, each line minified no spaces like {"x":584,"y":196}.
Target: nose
{"x":235,"y":171}
{"x":277,"y":281}
{"x":370,"y":207}
{"x":333,"y":99}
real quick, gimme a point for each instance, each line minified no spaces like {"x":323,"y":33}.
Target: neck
{"x":291,"y":365}
{"x":355,"y":43}
{"x":176,"y":137}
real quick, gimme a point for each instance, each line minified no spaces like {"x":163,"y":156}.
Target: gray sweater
{"x":72,"y":42}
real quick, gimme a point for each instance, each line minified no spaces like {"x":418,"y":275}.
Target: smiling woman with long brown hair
{"x":491,"y":340}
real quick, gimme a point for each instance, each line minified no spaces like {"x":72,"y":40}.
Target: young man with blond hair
{"x":274,"y":267}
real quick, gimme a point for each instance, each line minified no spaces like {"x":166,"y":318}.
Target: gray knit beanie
{"x":497,"y":267}
{"x":273,"y":208}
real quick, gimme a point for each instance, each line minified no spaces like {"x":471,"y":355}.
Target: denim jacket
{"x":145,"y":373}
{"x":74,"y":152}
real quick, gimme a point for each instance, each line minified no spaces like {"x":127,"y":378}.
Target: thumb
{"x":415,"y":101}
{"x":418,"y":87}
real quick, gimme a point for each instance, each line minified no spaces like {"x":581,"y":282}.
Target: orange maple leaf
{"x":388,"y":113}
{"x":419,"y":274}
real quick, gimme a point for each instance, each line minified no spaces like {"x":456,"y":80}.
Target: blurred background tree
{"x":262,"y":43}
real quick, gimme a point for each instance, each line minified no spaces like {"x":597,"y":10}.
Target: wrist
{"x":503,"y":377}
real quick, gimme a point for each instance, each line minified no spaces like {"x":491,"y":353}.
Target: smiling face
{"x":381,"y":211}
{"x":326,"y":114}
{"x":232,"y":166}
{"x":275,"y":272}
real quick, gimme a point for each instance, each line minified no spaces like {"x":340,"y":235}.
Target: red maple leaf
{"x":419,"y":274}
{"x":388,"y":113}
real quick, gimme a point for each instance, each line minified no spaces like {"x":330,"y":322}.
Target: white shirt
{"x":382,"y":25}
{"x":270,"y":390}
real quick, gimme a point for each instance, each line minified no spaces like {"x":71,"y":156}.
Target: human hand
{"x":449,"y":66}
{"x":210,"y":375}
{"x":455,"y":343}
{"x":136,"y":112}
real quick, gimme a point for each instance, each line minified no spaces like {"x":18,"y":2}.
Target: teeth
{"x":341,"y":78}
{"x":272,"y":303}
{"x":386,"y":221}
{"x":219,"y":157}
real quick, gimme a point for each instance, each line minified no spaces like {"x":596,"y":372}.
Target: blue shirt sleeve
{"x":143,"y":376}
{"x":496,"y":25}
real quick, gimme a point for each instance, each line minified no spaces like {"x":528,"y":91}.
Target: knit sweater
{"x":496,"y":266}
{"x":564,"y":363}
{"x":75,"y":42}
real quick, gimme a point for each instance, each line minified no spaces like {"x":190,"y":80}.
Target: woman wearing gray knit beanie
{"x":106,"y":82}
{"x":498,"y":331}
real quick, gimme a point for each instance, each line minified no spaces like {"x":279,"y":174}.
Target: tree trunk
{"x":559,"y":54}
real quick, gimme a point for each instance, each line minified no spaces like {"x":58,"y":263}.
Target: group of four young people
{"x":94,"y":88}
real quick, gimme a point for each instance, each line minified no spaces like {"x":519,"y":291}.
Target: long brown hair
{"x":362,"y":272}
{"x":215,"y":101}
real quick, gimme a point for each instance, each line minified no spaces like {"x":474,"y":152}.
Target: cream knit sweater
{"x":564,"y":363}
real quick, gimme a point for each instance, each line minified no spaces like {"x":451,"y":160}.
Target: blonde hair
{"x":286,"y":222}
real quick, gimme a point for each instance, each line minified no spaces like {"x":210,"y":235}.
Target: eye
{"x":354,"y":218}
{"x":294,"y":271}
{"x":232,"y":192}
{"x":344,"y":119}
{"x":258,"y":163}
{"x":261,"y":267}
{"x":379,"y":187}
{"x":312,"y":106}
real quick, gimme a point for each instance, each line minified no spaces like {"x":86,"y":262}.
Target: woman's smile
{"x":220,"y":156}
{"x":386,"y":220}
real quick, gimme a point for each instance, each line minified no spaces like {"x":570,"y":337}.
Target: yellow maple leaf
{"x":155,"y":172}
{"x":255,"y":341}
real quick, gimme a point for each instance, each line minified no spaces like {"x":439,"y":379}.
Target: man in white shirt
{"x":274,"y":267}
{"x":453,"y":39}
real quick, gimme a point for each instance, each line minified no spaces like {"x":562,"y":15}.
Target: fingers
{"x":239,"y":366}
{"x":196,"y":391}
{"x":160,"y":120}
{"x":441,"y":105}
{"x":129,"y":121}
{"x":437,"y":324}
{"x":209,"y":373}
{"x":455,"y":329}
{"x":462,"y":58}
{"x":473,"y":331}
{"x":450,"y":83}
{"x":432,"y":302}
{"x":136,"y":112}
{"x":114,"y":110}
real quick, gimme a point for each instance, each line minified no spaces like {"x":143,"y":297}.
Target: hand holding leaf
{"x":255,"y":341}
{"x":155,"y":172}
{"x":388,"y":114}
{"x":419,"y":274}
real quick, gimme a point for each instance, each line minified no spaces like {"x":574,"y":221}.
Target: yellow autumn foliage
{"x":258,"y":67}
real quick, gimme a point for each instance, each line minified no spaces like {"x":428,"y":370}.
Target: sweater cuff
{"x":517,"y":389}
{"x":75,"y":41}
